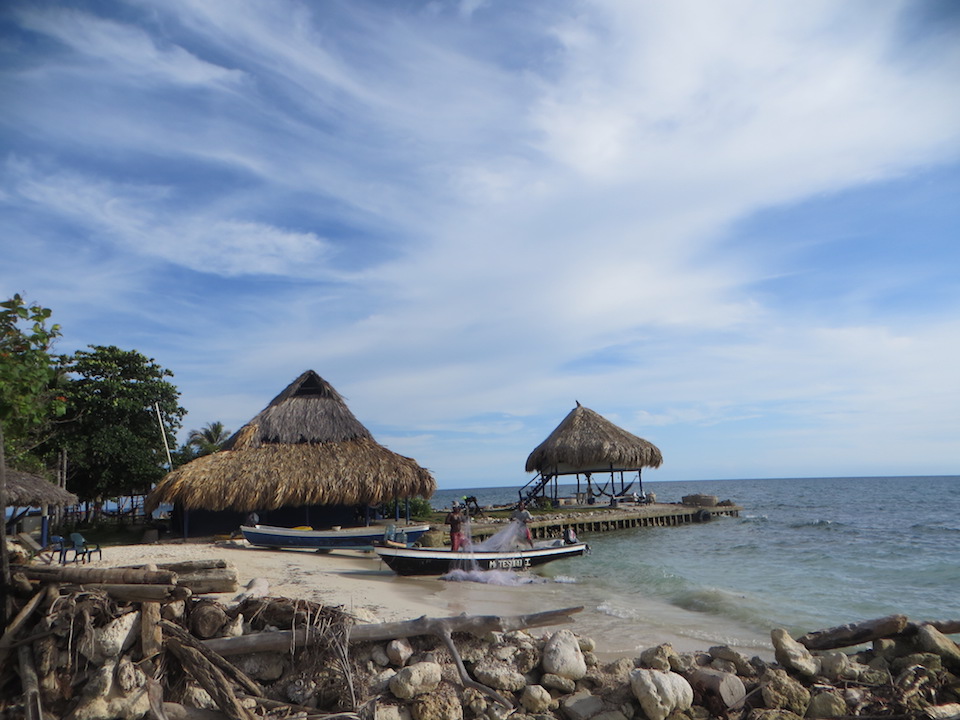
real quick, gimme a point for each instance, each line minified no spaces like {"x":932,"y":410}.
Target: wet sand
{"x":364,"y":586}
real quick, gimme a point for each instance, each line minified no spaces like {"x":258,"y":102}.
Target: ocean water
{"x":805,"y":554}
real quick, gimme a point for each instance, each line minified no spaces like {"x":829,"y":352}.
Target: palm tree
{"x":208,"y":439}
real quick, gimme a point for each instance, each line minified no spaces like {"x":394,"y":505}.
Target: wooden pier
{"x":592,"y":519}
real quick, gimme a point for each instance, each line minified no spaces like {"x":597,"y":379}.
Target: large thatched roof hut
{"x":303,"y":460}
{"x":586,"y":443}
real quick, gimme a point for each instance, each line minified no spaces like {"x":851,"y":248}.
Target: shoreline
{"x":366,"y":588}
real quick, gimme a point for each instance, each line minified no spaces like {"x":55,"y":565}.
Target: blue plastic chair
{"x":82,"y":550}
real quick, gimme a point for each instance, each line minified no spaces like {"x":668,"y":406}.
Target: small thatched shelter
{"x":586,"y":443}
{"x":26,"y":490}
{"x":303,"y":460}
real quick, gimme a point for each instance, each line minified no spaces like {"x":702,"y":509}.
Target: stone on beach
{"x":416,"y":679}
{"x":792,"y":654}
{"x":660,"y":693}
{"x":562,"y":656}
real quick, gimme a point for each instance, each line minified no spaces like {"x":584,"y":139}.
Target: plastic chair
{"x":82,"y":550}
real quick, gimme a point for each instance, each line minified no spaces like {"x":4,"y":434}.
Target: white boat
{"x":438,"y":561}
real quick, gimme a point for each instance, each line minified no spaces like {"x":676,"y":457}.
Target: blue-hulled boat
{"x":357,"y":538}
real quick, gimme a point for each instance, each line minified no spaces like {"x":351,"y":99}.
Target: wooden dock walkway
{"x":591,"y":519}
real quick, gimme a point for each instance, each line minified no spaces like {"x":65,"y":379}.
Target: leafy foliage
{"x":420,"y":508}
{"x":209,"y":439}
{"x":113,"y":440}
{"x":28,"y":399}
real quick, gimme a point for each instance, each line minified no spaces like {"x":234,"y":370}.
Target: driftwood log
{"x":185,"y":638}
{"x":854,"y":633}
{"x":109,"y":576}
{"x":282,"y":641}
{"x":892,"y":626}
{"x":210,"y":679}
{"x":724,"y":685}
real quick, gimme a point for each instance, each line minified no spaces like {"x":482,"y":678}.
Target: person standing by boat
{"x":455,"y":520}
{"x":522,"y":515}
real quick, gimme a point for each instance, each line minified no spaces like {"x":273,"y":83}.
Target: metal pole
{"x":163,"y":433}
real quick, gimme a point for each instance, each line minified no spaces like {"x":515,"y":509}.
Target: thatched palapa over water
{"x":304,"y":449}
{"x":586,"y":442}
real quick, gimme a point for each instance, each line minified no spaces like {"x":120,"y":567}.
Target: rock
{"x":792,"y":655}
{"x":112,"y":639}
{"x":562,"y":656}
{"x":740,"y":662}
{"x":173,"y":611}
{"x":683,"y":663}
{"x":437,"y":706}
{"x":725,"y":666}
{"x":932,"y":640}
{"x":265,"y":666}
{"x":380,"y":682}
{"x":825,"y":705}
{"x":610,"y":715}
{"x":834,"y":666}
{"x":527,"y":658}
{"x":391,"y":712}
{"x":587,"y":644}
{"x":581,"y":706}
{"x":499,"y":676}
{"x":535,"y":699}
{"x":232,"y":628}
{"x":399,"y":651}
{"x":943,"y":712}
{"x":195,"y":696}
{"x":782,"y":691}
{"x":416,"y":679}
{"x":300,"y":690}
{"x":658,"y":657}
{"x":556,"y":682}
{"x":931,"y":661}
{"x":590,"y":659}
{"x":660,"y":693}
{"x":620,"y":669}
{"x":774,"y":714}
{"x":103,"y":699}
{"x":379,"y":655}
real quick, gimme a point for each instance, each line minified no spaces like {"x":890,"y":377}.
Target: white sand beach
{"x":360,"y":583}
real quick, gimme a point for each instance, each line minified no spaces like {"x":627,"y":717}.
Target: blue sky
{"x":729,"y":227}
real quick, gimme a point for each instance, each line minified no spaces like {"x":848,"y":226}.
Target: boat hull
{"x":362,"y":538}
{"x":438,"y":561}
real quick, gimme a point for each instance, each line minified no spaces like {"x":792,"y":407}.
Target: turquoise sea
{"x":804,"y":554}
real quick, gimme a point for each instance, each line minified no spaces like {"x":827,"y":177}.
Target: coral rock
{"x":660,"y":693}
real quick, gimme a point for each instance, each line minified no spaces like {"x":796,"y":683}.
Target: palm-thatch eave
{"x":586,"y":442}
{"x":28,"y":490}
{"x":355,"y":472}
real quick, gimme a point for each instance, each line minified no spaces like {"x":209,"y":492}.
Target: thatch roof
{"x":304,"y":448}
{"x":587,"y":442}
{"x":28,"y":490}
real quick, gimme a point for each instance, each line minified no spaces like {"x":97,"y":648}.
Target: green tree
{"x":27,"y":402}
{"x":112,"y":436}
{"x":208,"y":439}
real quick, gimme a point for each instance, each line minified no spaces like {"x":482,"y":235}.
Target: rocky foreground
{"x":151,"y":646}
